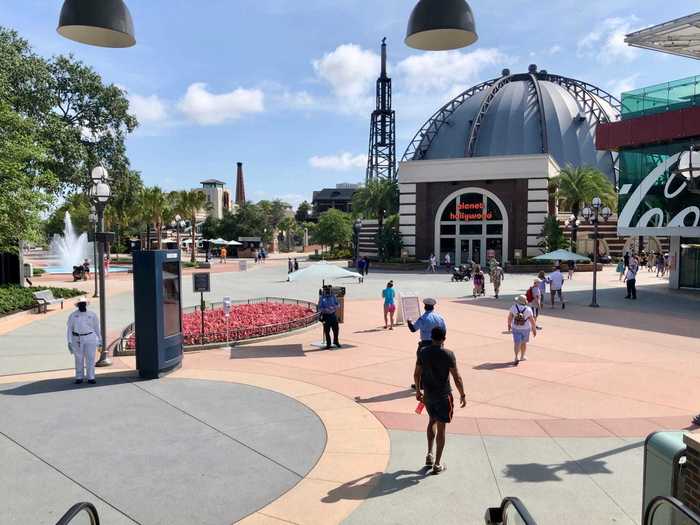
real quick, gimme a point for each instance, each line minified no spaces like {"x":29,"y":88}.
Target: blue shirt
{"x":388,"y":294}
{"x":426,"y":322}
{"x":328,"y":304}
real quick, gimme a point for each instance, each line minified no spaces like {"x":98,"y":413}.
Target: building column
{"x":675,"y":254}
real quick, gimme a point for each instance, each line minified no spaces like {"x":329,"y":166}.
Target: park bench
{"x":44,"y":298}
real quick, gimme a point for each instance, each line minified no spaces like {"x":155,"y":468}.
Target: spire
{"x":240,"y":185}
{"x":383,"y":58}
{"x":381,"y":162}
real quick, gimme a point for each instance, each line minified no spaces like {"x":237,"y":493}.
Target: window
{"x":171,"y":298}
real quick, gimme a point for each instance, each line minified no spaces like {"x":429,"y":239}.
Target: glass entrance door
{"x":470,"y":250}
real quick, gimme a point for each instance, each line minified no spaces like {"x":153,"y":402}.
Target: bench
{"x":44,"y":298}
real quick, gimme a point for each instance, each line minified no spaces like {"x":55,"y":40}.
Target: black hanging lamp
{"x":439,"y":25}
{"x":105,"y":23}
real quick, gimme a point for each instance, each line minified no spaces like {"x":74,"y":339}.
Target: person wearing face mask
{"x":83,"y":335}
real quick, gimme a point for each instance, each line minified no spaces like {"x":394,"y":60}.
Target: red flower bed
{"x":246,"y":321}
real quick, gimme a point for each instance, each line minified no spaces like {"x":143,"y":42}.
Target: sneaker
{"x":328,"y":347}
{"x":337,"y":345}
{"x":78,"y":381}
{"x":92,"y":381}
{"x":515,"y":362}
{"x":538,"y":327}
{"x":523,"y":358}
{"x":429,"y":460}
{"x":437,"y":469}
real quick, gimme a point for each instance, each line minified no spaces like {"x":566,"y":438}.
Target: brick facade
{"x":691,"y":489}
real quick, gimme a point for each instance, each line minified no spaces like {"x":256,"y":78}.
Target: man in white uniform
{"x":83,"y":337}
{"x":556,"y":282}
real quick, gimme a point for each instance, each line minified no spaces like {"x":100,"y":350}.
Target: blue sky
{"x":286,"y":86}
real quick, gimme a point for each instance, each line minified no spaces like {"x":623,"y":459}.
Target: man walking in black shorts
{"x":434,"y":365}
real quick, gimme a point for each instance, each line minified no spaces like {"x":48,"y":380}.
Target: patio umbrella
{"x":218,"y":241}
{"x":323,"y":271}
{"x":561,"y":255}
{"x":234,"y":243}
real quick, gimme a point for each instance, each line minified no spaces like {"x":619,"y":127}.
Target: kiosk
{"x":157,"y":311}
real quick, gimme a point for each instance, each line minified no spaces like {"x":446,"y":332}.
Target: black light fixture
{"x":439,"y":25}
{"x":105,"y":23}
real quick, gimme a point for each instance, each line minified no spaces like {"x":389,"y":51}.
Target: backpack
{"x":529,"y":295}
{"x":519,"y":318}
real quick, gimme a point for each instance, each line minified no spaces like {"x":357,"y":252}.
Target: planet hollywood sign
{"x":656,"y":207}
{"x":468,"y":211}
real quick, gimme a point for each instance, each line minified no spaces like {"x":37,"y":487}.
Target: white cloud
{"x":607,"y":44}
{"x":341,"y":162}
{"x":295,"y":99}
{"x":350,"y":71}
{"x":623,"y":84}
{"x":430,"y":72}
{"x":147,"y":109}
{"x":206,"y":108}
{"x":555,"y":49}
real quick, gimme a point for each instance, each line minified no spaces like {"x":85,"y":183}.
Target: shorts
{"x":521,"y":336}
{"x":441,"y":408}
{"x":555,"y":293}
{"x":390,"y":308}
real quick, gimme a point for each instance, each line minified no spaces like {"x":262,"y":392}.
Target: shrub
{"x":36,"y":272}
{"x":14,"y":298}
{"x":334,"y":254}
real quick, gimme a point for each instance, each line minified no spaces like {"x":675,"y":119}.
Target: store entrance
{"x":470,"y":251}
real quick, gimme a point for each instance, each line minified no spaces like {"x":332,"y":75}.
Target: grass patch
{"x":15,"y":298}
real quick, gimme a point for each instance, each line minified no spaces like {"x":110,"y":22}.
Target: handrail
{"x":78,"y":508}
{"x":495,"y":515}
{"x":659,"y":501}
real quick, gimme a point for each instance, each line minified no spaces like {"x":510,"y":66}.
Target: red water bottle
{"x":420,"y":407}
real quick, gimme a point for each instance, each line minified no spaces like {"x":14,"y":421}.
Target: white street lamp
{"x":99,"y":194}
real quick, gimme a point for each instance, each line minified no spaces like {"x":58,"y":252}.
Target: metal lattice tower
{"x":381,"y":159}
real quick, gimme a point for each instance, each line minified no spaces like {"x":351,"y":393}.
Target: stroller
{"x":461,"y":273}
{"x":78,"y":273}
{"x":479,"y":279}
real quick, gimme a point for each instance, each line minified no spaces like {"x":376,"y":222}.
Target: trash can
{"x":339,"y":292}
{"x":664,"y":461}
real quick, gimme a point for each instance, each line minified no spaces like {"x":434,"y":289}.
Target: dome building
{"x":474,"y":178}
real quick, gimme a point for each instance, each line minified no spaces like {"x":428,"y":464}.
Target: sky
{"x":287,"y":86}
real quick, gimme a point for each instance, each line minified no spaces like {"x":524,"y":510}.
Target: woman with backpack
{"x":521,"y":322}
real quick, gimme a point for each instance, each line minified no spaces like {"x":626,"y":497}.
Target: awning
{"x":677,"y":37}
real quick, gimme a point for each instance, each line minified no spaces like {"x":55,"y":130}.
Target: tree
{"x":153,"y":205}
{"x":377,"y":200}
{"x":123,"y":208}
{"x":274,"y":211}
{"x":189,"y":204}
{"x":334,"y":229}
{"x":552,"y":236}
{"x":78,"y":205}
{"x":81,"y":122}
{"x":389,"y":241}
{"x":25,"y":191}
{"x":290,"y":227}
{"x":303,"y":212}
{"x":577,"y":186}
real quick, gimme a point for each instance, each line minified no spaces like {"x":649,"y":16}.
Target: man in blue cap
{"x":425,"y":324}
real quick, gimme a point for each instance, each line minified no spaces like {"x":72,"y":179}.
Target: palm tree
{"x":154,"y":208}
{"x":189,"y":204}
{"x":576,"y":186}
{"x":378,"y":199}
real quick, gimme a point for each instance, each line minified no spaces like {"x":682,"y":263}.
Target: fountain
{"x":69,"y":249}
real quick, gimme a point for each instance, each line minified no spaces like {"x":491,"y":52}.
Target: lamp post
{"x":357,"y":229}
{"x":689,"y":168}
{"x":176,"y":225}
{"x":573,"y":223}
{"x":93,"y":222}
{"x":593,"y":213}
{"x":100,"y":192}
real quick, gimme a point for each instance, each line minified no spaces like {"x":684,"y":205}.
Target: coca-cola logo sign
{"x":661,"y":204}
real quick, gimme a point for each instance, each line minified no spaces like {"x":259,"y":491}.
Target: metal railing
{"x":664,"y":510}
{"x":511,"y":512}
{"x":121,"y":345}
{"x":79,"y":513}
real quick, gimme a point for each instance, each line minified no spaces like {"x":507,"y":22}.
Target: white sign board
{"x":227,"y":306}
{"x":410,"y":307}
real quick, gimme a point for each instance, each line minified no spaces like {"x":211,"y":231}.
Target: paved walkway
{"x":562,"y":431}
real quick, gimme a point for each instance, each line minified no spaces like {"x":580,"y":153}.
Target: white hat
{"x":429,"y":301}
{"x":521,"y":299}
{"x":82,"y":299}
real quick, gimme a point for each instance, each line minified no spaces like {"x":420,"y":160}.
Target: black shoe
{"x":78,"y":381}
{"x":92,"y":381}
{"x":337,"y":345}
{"x":413,"y":386}
{"x":328,"y":347}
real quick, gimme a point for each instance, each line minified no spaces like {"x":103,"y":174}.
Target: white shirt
{"x":631,"y":274}
{"x":447,"y":258}
{"x":536,"y":294}
{"x":556,"y":280}
{"x":527,"y":313}
{"x":83,"y":323}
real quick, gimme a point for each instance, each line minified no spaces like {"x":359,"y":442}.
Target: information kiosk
{"x":158,"y":311}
